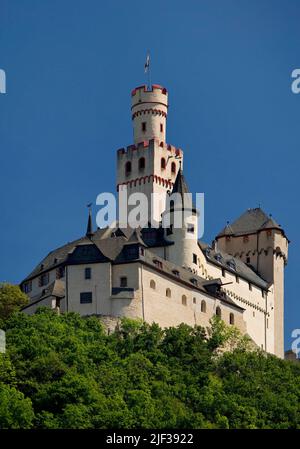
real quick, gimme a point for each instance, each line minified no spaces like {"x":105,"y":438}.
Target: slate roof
{"x":249,"y":222}
{"x":232,"y":264}
{"x":108,"y":244}
{"x":180,"y":186}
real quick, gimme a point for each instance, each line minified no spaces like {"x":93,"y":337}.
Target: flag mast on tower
{"x":147,"y":70}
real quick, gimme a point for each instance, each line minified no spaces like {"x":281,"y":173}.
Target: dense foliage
{"x":66,"y":372}
{"x":11,"y":300}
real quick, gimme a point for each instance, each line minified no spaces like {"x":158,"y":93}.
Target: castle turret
{"x":149,"y":113}
{"x":150,"y":165}
{"x":259,"y":241}
{"x":181,"y":223}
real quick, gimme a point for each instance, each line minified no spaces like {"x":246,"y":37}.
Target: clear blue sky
{"x":70,"y":68}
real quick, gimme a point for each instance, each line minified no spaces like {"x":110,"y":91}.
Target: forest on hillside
{"x":65,"y":371}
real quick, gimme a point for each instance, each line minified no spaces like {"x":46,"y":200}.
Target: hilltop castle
{"x":168,"y":275}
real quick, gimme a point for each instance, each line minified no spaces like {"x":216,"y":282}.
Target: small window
{"x":152,"y":284}
{"x":27,"y":287}
{"x":60,"y":272}
{"x":194,"y":281}
{"x":194,"y":301}
{"x":250,"y":286}
{"x":161,"y":128}
{"x":123,"y":281}
{"x":176,"y":273}
{"x":168,"y":293}
{"x":203,"y":306}
{"x":127,"y":168}
{"x":237,"y":279}
{"x":218,"y":312}
{"x":183,"y":300}
{"x":144,"y":126}
{"x":253,"y":313}
{"x":158,"y":263}
{"x":142,"y":163}
{"x":87,"y":273}
{"x":86,"y":297}
{"x":223,"y":272}
{"x":231,"y":318}
{"x":44,"y":279}
{"x":173,"y":167}
{"x":195,"y":258}
{"x":190,"y":228}
{"x":163,"y":163}
{"x":170,"y":230}
{"x":248,"y":259}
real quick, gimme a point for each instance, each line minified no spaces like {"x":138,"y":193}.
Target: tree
{"x":64,"y":371}
{"x":11,"y":300}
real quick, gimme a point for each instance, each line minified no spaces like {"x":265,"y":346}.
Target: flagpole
{"x":148,"y":70}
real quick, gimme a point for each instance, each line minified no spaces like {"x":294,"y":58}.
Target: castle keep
{"x":162,"y":274}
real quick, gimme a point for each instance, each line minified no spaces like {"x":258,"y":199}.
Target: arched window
{"x":142,"y":163}
{"x":218,"y":312}
{"x":203,"y":306}
{"x":231,"y":318}
{"x":168,"y":293}
{"x":163,"y":163}
{"x":173,"y":167}
{"x":152,"y":284}
{"x":183,"y":300}
{"x":127,"y":168}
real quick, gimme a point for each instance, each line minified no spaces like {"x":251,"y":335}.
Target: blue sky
{"x":70,"y":67}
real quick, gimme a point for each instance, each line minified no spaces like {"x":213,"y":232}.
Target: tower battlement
{"x":146,"y":144}
{"x":149,"y":113}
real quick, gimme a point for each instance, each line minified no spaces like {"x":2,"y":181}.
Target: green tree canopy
{"x":11,"y":300}
{"x":65,"y":371}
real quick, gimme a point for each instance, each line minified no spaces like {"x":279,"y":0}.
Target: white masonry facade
{"x":167,"y":275}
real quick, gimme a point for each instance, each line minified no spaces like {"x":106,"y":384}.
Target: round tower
{"x":149,"y":113}
{"x":180,"y":221}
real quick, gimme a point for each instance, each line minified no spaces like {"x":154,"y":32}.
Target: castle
{"x":167,"y":275}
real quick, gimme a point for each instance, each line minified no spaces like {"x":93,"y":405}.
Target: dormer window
{"x":27,"y":287}
{"x":218,"y":257}
{"x":231,"y":264}
{"x":158,"y":263}
{"x":44,"y":279}
{"x":60,"y":272}
{"x":194,"y":281}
